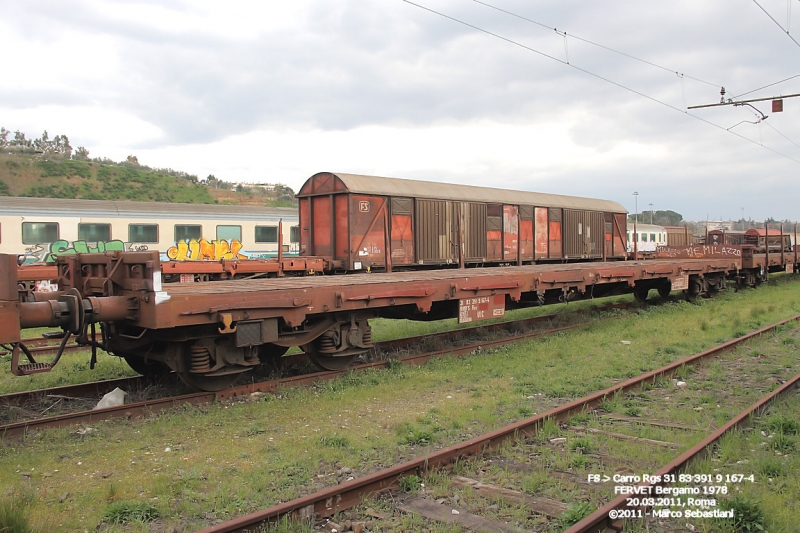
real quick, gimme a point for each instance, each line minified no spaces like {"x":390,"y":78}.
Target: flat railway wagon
{"x":369,"y":222}
{"x":212,"y":333}
{"x":40,"y":229}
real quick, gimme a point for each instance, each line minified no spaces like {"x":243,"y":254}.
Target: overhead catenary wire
{"x":587,"y":41}
{"x":765,"y":86}
{"x":590,"y":73}
{"x":789,"y":35}
{"x":781,"y":134}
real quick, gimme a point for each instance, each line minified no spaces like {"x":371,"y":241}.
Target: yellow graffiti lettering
{"x":235,"y":247}
{"x":195,"y":250}
{"x":221,"y":248}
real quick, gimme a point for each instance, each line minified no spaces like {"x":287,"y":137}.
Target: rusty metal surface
{"x":133,"y":410}
{"x":141,"y":409}
{"x":37,"y":272}
{"x":699,"y":251}
{"x":73,"y":391}
{"x":599,"y":521}
{"x":294,"y":299}
{"x":329,"y":182}
{"x":338,"y":498}
{"x":9,"y":304}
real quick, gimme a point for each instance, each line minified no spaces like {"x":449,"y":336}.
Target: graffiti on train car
{"x":195,"y":250}
{"x":47,"y":252}
{"x":698,"y":251}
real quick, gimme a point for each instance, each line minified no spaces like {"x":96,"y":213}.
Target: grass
{"x":231,"y":458}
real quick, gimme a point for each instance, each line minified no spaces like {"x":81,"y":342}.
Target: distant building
{"x":719,"y":225}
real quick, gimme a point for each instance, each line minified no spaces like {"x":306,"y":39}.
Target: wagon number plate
{"x":481,"y":308}
{"x":681,"y":283}
{"x":187,"y":278}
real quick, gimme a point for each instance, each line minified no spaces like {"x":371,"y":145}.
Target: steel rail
{"x":102,"y":387}
{"x":599,"y":521}
{"x":79,"y":390}
{"x":144,"y":408}
{"x":332,"y":500}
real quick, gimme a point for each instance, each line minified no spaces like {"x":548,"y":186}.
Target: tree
{"x":132,"y":160}
{"x":659,"y":218}
{"x":81,"y":154}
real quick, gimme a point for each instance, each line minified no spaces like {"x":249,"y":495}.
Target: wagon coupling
{"x":72,"y":314}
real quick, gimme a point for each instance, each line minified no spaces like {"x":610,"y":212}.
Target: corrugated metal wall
{"x":434,"y":231}
{"x":583,"y":234}
{"x":474,"y":230}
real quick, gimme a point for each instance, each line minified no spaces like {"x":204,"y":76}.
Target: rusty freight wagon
{"x":679,"y":236}
{"x":351,"y":218}
{"x":778,"y":240}
{"x":726,"y":237}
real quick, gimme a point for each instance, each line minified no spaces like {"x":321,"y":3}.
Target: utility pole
{"x":777,"y":103}
{"x":635,"y":221}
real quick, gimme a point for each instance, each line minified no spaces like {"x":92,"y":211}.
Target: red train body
{"x":210,"y":333}
{"x":351,"y":218}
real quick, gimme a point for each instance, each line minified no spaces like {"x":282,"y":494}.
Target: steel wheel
{"x":330,"y":362}
{"x":199,"y":380}
{"x":209,"y":383}
{"x":325,"y":361}
{"x":146,"y":368}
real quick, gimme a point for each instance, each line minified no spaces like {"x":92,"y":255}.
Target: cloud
{"x":253,"y":90}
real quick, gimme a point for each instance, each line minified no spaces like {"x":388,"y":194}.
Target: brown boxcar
{"x":726,"y":237}
{"x":777,"y":241}
{"x":679,"y":236}
{"x":349,"y":218}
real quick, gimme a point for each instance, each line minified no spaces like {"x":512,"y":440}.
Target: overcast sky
{"x":277,"y":91}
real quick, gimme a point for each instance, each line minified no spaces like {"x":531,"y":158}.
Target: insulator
{"x":200,"y":359}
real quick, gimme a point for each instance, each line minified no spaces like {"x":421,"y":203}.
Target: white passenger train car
{"x":649,"y":236}
{"x":42,"y":228}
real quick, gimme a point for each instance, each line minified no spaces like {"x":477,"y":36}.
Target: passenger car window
{"x":94,"y":232}
{"x":228,"y":233}
{"x":144,"y":233}
{"x":36,"y":232}
{"x":184,"y":232}
{"x":266,"y":234}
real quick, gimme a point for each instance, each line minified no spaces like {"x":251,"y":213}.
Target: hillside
{"x":33,"y":176}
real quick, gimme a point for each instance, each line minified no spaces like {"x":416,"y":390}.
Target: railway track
{"x":79,"y":399}
{"x":526,"y":436}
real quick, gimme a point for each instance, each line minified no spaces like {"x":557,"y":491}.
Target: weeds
{"x":575,"y":513}
{"x":747,"y":515}
{"x":334,"y":441}
{"x":410,"y":484}
{"x":14,"y":514}
{"x":126,"y":512}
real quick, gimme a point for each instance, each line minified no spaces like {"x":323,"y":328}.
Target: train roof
{"x":330,"y":183}
{"x":645,"y":227}
{"x":11,"y":205}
